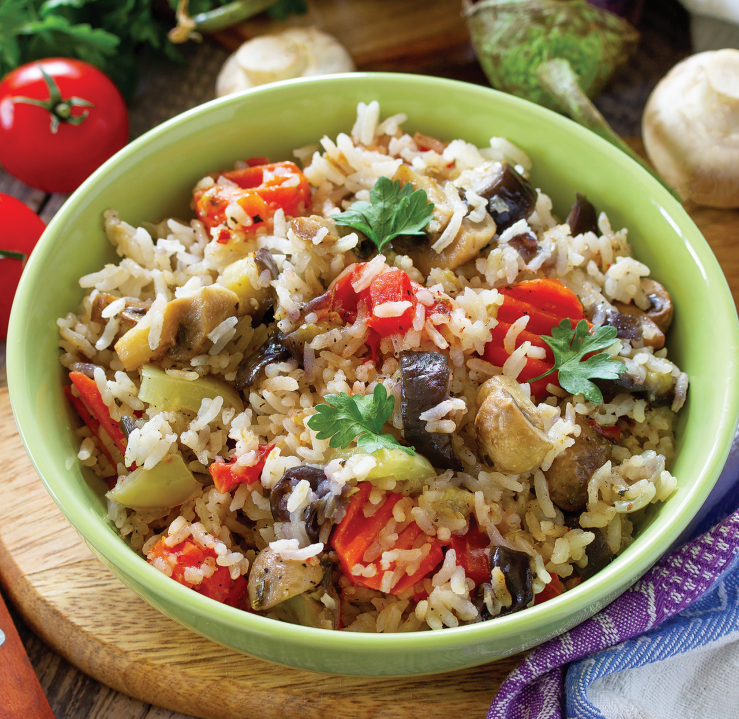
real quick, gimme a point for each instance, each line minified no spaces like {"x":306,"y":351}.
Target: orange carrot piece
{"x":548,"y":295}
{"x":92,"y":424}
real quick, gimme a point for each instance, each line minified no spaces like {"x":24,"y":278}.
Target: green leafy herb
{"x":345,"y":418}
{"x":391,"y":211}
{"x":570,"y":346}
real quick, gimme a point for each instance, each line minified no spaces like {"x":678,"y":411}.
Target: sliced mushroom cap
{"x":660,"y":309}
{"x":468,"y":243}
{"x":509,"y":427}
{"x":273,"y":580}
{"x":128,"y":317}
{"x":434,"y":191}
{"x":195,"y":317}
{"x":186,"y":324}
{"x":633,"y":324}
{"x":583,"y":217}
{"x":571,"y":470}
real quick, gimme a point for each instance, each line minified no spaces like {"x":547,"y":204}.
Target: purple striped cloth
{"x":535,"y":689}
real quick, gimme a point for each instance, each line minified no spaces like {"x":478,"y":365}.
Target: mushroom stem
{"x":559,"y":79}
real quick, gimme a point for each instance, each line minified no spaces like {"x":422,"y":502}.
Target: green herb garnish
{"x":392,"y":210}
{"x":344,"y":418}
{"x":570,"y":346}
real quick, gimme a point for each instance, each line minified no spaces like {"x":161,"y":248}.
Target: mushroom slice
{"x":253,"y":365}
{"x":307,"y":229}
{"x":571,"y":470}
{"x":509,"y":427}
{"x":273,"y":580}
{"x":660,"y":303}
{"x":128,"y":317}
{"x":186,"y":324}
{"x":434,"y":191}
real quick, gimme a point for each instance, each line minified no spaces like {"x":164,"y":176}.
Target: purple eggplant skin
{"x":519,"y":578}
{"x":424,"y":383}
{"x":510,"y":197}
{"x":253,"y":365}
{"x":582,"y":217}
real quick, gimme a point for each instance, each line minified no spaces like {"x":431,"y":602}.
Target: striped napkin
{"x":666,"y":648}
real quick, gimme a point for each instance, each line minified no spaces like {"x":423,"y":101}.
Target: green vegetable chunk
{"x":345,"y":418}
{"x":392,"y":210}
{"x":168,"y":484}
{"x":167,"y":393}
{"x":570,"y":346}
{"x":411,"y":470}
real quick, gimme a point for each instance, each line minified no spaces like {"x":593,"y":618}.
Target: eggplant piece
{"x":281,"y":492}
{"x":326,"y":507}
{"x":86,"y":368}
{"x":598,"y":552}
{"x":251,"y":367}
{"x":273,"y":580}
{"x":582,"y":217}
{"x":526,"y":245}
{"x":518,"y":577}
{"x":424,"y":382}
{"x":632,"y":323}
{"x":510,"y":198}
{"x":660,"y":310}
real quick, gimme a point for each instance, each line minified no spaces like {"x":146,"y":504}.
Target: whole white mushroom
{"x":295,"y":52}
{"x":691,"y":128}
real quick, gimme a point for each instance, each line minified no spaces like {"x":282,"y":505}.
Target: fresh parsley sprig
{"x":392,"y":210}
{"x":345,"y":418}
{"x":570,"y":346}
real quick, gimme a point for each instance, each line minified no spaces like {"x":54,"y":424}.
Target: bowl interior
{"x":152,"y":178}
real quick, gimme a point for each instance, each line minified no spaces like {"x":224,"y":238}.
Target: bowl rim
{"x":134,"y":567}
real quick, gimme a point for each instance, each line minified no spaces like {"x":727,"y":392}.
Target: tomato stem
{"x":11,"y":255}
{"x":59,"y":108}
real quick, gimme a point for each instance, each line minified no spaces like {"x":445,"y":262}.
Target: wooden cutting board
{"x":85,"y":614}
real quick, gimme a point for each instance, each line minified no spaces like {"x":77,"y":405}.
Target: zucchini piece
{"x":168,"y":484}
{"x":167,"y":393}
{"x":412,"y":471}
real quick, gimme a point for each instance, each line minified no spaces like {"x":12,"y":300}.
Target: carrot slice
{"x":92,"y":398}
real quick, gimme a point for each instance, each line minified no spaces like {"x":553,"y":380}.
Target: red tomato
{"x":218,"y":586}
{"x":78,"y":123}
{"x":391,"y":286}
{"x":227,"y":475}
{"x":260,"y":191}
{"x":552,"y":590}
{"x":473,"y":553}
{"x":21,"y":228}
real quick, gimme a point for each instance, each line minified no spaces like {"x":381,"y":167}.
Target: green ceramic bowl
{"x":152,"y":178}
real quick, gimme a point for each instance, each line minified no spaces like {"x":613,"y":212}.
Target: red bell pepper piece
{"x":611,"y":433}
{"x":93,"y":401}
{"x":261,"y":190}
{"x":227,"y":475}
{"x":355,"y":534}
{"x":553,"y":589}
{"x":218,"y":586}
{"x":473,"y":553}
{"x":94,"y":426}
{"x":391,"y":286}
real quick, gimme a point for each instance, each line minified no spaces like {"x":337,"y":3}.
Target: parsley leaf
{"x":345,"y":418}
{"x":570,"y":346}
{"x":392,"y":210}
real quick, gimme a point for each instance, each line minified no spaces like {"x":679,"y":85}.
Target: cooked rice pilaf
{"x":270,"y":542}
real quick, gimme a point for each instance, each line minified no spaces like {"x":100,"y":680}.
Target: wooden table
{"x":165,"y":91}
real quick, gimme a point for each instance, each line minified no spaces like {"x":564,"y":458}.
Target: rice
{"x":409,"y":576}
